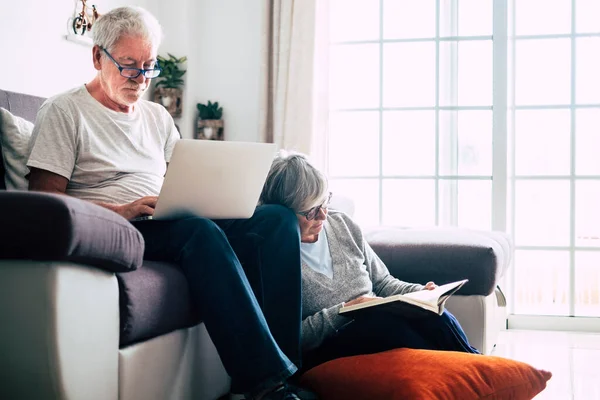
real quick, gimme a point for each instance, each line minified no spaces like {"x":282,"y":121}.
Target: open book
{"x":412,"y":304}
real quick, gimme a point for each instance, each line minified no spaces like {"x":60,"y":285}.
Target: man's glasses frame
{"x":132,"y":73}
{"x":313,"y":212}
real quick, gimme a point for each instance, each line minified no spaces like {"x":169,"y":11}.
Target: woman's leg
{"x":446,"y":332}
{"x":385,"y":331}
{"x":369,"y":334}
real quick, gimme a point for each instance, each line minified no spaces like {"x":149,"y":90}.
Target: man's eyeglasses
{"x":313,"y":212}
{"x":132,"y":73}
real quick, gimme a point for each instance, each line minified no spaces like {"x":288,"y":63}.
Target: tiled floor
{"x":573,"y":358}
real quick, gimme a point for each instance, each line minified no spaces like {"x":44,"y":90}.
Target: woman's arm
{"x":384,"y":284}
{"x":318,"y":327}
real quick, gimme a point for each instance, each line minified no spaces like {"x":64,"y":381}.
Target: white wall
{"x":224,"y":47}
{"x":35,"y":57}
{"x":222,"y":39}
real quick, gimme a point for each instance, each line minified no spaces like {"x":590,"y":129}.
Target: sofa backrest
{"x":23,"y":105}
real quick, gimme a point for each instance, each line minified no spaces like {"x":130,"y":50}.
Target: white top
{"x":106,"y":155}
{"x":317,"y":255}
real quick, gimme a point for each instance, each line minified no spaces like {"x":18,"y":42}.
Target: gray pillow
{"x":15,"y":133}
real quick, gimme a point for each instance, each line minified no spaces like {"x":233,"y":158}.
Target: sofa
{"x":84,"y":316}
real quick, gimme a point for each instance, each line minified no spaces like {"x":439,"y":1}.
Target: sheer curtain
{"x":294,"y":110}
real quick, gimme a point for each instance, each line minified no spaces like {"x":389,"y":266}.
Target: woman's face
{"x":310,"y":229}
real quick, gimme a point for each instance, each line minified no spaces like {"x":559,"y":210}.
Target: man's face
{"x":129,"y":52}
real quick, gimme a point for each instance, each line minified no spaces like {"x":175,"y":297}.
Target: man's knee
{"x":278,"y":215}
{"x":201,"y":227}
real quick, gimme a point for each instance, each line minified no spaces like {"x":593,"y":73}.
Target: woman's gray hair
{"x":294,"y":182}
{"x":126,"y":21}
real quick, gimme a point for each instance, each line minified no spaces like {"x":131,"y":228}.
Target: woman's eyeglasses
{"x":313,"y":212}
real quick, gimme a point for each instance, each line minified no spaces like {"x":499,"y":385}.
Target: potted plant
{"x":167,"y":90}
{"x":210,"y":122}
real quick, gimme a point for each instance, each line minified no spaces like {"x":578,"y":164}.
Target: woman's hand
{"x":361,"y":299}
{"x":430,"y":286}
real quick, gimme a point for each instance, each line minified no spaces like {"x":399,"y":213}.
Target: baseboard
{"x":554,"y":323}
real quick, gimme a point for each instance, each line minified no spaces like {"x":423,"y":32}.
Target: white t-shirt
{"x":106,"y":155}
{"x":317,"y":255}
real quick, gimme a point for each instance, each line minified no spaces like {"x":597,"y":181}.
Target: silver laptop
{"x":214,"y":179}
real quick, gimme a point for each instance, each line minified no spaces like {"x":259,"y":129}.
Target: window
{"x":555,"y":133}
{"x":480,"y":114}
{"x":411,"y":110}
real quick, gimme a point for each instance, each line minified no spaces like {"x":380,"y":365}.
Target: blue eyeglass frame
{"x":139,"y":71}
{"x":315,"y":210}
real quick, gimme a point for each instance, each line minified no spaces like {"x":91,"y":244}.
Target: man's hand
{"x":361,"y":299}
{"x":142,"y":207}
{"x":430,"y":286}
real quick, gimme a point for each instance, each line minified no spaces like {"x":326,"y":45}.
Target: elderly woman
{"x":340,"y":268}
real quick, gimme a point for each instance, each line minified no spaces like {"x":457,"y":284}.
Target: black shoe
{"x":284,"y":392}
{"x":302,"y":393}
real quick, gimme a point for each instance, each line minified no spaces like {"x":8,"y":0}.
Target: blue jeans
{"x":268,"y":244}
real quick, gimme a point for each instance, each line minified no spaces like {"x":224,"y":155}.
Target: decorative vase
{"x":210,"y":129}
{"x":170,"y":98}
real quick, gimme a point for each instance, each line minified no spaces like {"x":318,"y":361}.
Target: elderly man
{"x":102,"y":143}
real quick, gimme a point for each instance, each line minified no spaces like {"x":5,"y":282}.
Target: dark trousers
{"x":251,"y":342}
{"x":385,"y":331}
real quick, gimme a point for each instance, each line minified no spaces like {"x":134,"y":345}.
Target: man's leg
{"x":222,"y":296}
{"x":268,"y":245}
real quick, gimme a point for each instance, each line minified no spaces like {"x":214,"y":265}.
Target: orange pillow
{"x":424,"y":374}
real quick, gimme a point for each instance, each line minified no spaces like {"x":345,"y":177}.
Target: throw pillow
{"x":424,"y":374}
{"x":15,"y":133}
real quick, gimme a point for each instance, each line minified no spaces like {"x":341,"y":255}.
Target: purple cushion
{"x":24,"y":105}
{"x":49,"y":227}
{"x":154,"y":300}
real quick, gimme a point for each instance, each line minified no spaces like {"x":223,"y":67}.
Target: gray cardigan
{"x":357,"y":271}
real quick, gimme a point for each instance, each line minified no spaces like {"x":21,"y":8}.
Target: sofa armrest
{"x":59,"y":336}
{"x":49,"y":227}
{"x":444,"y":255}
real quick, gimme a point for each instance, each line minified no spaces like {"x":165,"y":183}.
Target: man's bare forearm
{"x":112,"y":207}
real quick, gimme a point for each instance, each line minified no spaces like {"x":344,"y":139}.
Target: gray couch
{"x":85,"y":317}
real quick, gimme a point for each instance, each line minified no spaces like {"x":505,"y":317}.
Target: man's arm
{"x":45,"y":181}
{"x":41,"y":180}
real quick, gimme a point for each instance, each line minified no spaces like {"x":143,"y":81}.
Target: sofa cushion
{"x":22,"y":105}
{"x":15,"y":133}
{"x":154,"y":300}
{"x":2,"y":170}
{"x":425,"y":374}
{"x":42,"y":226}
{"x":444,"y":255}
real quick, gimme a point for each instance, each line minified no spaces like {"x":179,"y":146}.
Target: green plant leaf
{"x":171,"y":75}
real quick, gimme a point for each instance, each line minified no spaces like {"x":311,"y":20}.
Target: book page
{"x":426,"y":299}
{"x":431,"y":296}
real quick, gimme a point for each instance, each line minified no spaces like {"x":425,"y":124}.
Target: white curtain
{"x":292,"y":114}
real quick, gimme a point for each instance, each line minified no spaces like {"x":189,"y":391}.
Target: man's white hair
{"x":126,"y":21}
